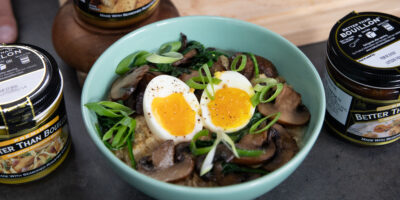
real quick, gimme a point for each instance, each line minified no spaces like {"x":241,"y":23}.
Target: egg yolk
{"x":230,"y":108}
{"x":174,"y":114}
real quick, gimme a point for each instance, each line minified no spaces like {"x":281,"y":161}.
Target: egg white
{"x":162,"y":86}
{"x":230,"y":79}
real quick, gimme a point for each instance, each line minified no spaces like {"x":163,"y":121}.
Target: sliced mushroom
{"x":161,"y":166}
{"x":186,"y":58}
{"x":286,"y":147}
{"x":288,"y":102}
{"x":185,"y":77}
{"x":163,"y":156}
{"x":222,"y":64}
{"x":125,"y":85}
{"x":266,"y":67}
{"x":183,"y":42}
{"x":255,"y":142}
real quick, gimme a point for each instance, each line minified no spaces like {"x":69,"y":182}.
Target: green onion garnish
{"x":267,"y":81}
{"x":255,"y":63}
{"x":208,"y":161}
{"x":199,"y":151}
{"x":170,"y":47}
{"x":193,"y":82}
{"x":261,"y":90}
{"x":253,"y":128}
{"x":130,"y":61}
{"x":249,"y":153}
{"x":278,"y":90}
{"x":210,"y":82}
{"x":242,"y":63}
{"x":166,"y":58}
{"x":229,"y":143}
{"x":130,"y":149}
{"x":109,"y":109}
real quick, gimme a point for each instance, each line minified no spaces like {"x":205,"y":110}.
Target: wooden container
{"x":79,"y":44}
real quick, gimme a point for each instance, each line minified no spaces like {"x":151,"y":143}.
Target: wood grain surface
{"x":300,"y":21}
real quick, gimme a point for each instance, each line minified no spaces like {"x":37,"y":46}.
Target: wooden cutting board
{"x":300,"y":21}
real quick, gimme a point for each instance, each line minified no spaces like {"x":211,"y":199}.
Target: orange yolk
{"x":230,"y":108}
{"x":174,"y":114}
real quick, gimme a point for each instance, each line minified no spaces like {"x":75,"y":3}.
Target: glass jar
{"x":114,"y":14}
{"x":34,"y":137}
{"x":362,"y":79}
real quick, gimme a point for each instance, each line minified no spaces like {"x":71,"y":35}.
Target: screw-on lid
{"x":30,"y":83}
{"x":365,"y":47}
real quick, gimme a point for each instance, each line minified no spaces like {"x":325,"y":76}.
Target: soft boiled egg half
{"x":171,"y":109}
{"x":230,"y":109}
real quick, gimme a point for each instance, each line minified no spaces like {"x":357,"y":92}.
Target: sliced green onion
{"x":165,"y":58}
{"x":255,"y":63}
{"x":101,"y":110}
{"x":210,"y":82}
{"x":199,"y":151}
{"x":258,"y":87}
{"x":255,"y":99}
{"x":124,"y":128}
{"x":278,"y":90}
{"x":116,"y":107}
{"x":253,"y":128}
{"x":130,"y":61}
{"x":208,"y":161}
{"x":193,"y":82}
{"x":249,"y":153}
{"x":130,"y":151}
{"x":170,"y":47}
{"x":118,"y":136}
{"x":109,"y":109}
{"x":267,"y":81}
{"x":242,"y":64}
{"x":229,"y":143}
{"x":141,"y":58}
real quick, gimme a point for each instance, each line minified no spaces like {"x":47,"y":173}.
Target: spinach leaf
{"x":231,"y":168}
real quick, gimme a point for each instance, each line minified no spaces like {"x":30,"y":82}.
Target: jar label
{"x":22,"y":71}
{"x":114,"y":9}
{"x":360,"y":119}
{"x":36,"y":152}
{"x":370,"y":39}
{"x":337,"y":101}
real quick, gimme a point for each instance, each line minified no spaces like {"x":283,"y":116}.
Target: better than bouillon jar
{"x":362,"y":79}
{"x":114,"y":14}
{"x":34,"y":137}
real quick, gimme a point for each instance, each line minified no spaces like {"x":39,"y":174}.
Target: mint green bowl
{"x":223,"y":33}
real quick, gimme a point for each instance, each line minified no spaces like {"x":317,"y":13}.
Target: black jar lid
{"x":30,"y":84}
{"x":365,"y":47}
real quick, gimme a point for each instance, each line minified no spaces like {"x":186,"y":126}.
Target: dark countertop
{"x":334,"y":169}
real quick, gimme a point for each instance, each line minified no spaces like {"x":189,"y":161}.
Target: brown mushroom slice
{"x":135,"y":100}
{"x":125,"y":85}
{"x":176,"y":172}
{"x":161,"y":166}
{"x":266,"y":67}
{"x":185,"y":77}
{"x":222,"y":64}
{"x":183,"y":42}
{"x":163,"y":156}
{"x":189,"y":55}
{"x":255,"y":142}
{"x":286,"y":148}
{"x":288,"y":103}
